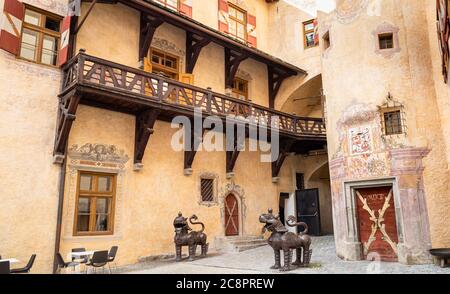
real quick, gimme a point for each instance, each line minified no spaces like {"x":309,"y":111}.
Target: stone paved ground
{"x":258,"y":261}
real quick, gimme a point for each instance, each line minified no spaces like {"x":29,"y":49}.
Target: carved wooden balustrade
{"x":156,"y":91}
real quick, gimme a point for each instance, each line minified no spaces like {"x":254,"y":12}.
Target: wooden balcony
{"x":97,"y":82}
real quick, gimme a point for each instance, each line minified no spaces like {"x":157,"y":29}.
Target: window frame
{"x":156,"y":67}
{"x":244,"y":22}
{"x":170,"y":6}
{"x":306,"y":32}
{"x":400,"y":120}
{"x":41,"y":31}
{"x":381,"y":37}
{"x":234,"y":90}
{"x":92,"y":196}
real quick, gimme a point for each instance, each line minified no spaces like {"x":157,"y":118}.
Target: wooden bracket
{"x":66,"y":115}
{"x":194,"y":45}
{"x":232,"y":61}
{"x":191,"y":151}
{"x":276,"y":78}
{"x":149,"y":24}
{"x":145,"y":121}
{"x":285,"y":147}
{"x":232,"y":155}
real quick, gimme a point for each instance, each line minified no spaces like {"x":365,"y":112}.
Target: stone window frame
{"x":386,"y":28}
{"x":215,"y":178}
{"x":392,"y":105}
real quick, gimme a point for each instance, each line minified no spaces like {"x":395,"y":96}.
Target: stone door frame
{"x":353,"y":242}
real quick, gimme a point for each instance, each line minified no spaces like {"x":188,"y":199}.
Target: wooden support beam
{"x":149,"y":24}
{"x":194,"y":45}
{"x":232,"y":61}
{"x":276,"y":78}
{"x":232,"y":155}
{"x":285,"y":147}
{"x":66,"y":115}
{"x":145,"y":121}
{"x":191,"y":151}
{"x":80,"y":24}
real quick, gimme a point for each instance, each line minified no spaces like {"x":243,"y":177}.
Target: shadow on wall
{"x":320,"y":179}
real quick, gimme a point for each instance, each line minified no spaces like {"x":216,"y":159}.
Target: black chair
{"x":83,"y":259}
{"x":25,"y":269}
{"x":99,"y":260}
{"x":5,"y":268}
{"x":62,"y":264}
{"x":112,"y":255}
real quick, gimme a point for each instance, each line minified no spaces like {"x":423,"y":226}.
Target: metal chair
{"x":27,"y":268}
{"x":99,"y":260}
{"x":63,"y":265}
{"x":83,"y":259}
{"x":112,"y":256}
{"x":5,"y":268}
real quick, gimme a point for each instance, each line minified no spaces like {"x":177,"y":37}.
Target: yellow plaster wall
{"x":153,"y":196}
{"x":364,"y":77}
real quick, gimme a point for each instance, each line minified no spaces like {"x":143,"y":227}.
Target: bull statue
{"x":282,"y":239}
{"x":184,"y":236}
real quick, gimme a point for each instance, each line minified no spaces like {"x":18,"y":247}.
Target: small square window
{"x":207,"y":190}
{"x":393,"y":123}
{"x":386,"y":41}
{"x":326,"y":40}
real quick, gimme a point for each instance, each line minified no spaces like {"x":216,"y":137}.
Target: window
{"x":240,"y":89}
{"x":94,"y":212}
{"x":172,"y":4}
{"x":164,"y":63}
{"x":207,"y":190}
{"x":237,"y":23}
{"x":386,"y":41}
{"x":326,"y":40}
{"x":40,"y":37}
{"x":309,"y":32}
{"x":393,"y":123}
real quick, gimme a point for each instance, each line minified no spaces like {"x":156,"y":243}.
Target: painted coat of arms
{"x":360,"y":140}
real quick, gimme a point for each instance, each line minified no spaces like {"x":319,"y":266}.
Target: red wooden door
{"x":377,"y":222}
{"x":231,"y":216}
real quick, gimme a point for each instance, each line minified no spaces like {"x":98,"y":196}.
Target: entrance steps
{"x":238,"y":243}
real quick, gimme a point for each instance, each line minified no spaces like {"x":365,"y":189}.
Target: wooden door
{"x":231,"y":216}
{"x":308,"y":210}
{"x":377,"y":223}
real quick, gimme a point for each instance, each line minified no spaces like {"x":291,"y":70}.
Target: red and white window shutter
{"x":186,"y":7}
{"x":223,"y":16}
{"x":316,"y":32}
{"x":11,"y":26}
{"x":63,"y":54}
{"x":251,"y":30}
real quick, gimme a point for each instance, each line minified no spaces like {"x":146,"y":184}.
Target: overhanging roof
{"x":195,"y":27}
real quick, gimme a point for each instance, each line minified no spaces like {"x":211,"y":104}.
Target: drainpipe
{"x":62,"y":182}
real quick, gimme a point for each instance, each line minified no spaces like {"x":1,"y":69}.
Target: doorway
{"x":308,"y":210}
{"x":231,"y":216}
{"x":376,"y":221}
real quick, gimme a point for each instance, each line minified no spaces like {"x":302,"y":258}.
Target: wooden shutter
{"x":223,"y":16}
{"x":187,"y":78}
{"x":63,"y":55}
{"x":316,"y":32}
{"x":443,"y":31}
{"x":11,"y":30}
{"x":251,"y":30}
{"x":147,"y":65}
{"x":186,"y":7}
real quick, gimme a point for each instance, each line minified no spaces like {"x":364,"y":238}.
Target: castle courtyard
{"x":259,"y":260}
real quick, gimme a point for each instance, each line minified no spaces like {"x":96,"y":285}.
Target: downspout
{"x":62,"y":182}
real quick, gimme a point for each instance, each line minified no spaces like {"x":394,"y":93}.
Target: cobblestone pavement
{"x":259,"y":261}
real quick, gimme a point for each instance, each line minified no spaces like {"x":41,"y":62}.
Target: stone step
{"x":248,"y":242}
{"x":250,"y":246}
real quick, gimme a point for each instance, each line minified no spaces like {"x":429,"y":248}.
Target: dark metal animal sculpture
{"x":282,"y":239}
{"x":184,"y":236}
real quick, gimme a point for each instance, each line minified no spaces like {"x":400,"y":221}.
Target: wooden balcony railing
{"x":109,"y":77}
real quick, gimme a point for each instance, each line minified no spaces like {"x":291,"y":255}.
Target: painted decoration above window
{"x":360,"y":140}
{"x":237,"y":23}
{"x":349,"y":10}
{"x":443,"y":31}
